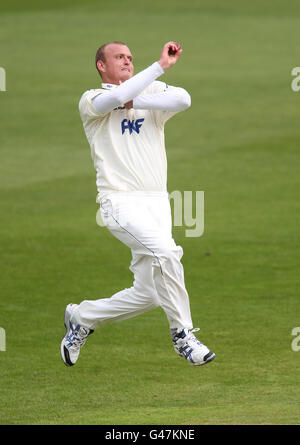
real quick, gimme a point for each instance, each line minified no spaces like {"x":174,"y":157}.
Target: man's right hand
{"x":169,"y":55}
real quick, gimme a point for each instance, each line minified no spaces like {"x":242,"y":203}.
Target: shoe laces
{"x":78,"y":336}
{"x":191,"y":336}
{"x":195,"y":330}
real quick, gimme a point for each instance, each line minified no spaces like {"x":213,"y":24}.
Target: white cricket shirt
{"x":127,"y":146}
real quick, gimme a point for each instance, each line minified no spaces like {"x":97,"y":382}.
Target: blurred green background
{"x":239,"y":143}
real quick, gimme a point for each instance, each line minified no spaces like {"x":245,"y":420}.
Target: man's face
{"x":118,"y":64}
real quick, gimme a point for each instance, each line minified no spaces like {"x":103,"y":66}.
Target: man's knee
{"x":167,"y":255}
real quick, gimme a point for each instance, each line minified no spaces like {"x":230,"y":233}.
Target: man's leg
{"x":81,"y":320}
{"x":149,"y":227}
{"x":168,"y":277}
{"x":127,"y":303}
{"x":144,"y":224}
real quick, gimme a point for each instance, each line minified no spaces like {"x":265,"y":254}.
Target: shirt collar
{"x":108,"y":86}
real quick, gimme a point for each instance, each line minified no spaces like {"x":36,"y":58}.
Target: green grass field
{"x":239,"y":143}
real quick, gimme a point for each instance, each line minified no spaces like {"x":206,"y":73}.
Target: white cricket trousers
{"x":143,"y":222}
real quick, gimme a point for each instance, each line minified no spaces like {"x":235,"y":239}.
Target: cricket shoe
{"x":188,"y":346}
{"x":74,"y":338}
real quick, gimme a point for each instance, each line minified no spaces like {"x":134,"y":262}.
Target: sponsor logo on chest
{"x":131,"y":126}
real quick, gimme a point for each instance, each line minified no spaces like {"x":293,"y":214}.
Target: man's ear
{"x":101,"y":66}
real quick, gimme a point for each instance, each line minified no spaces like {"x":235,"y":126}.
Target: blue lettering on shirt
{"x":133,"y":125}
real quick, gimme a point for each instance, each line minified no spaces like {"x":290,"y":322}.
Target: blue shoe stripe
{"x":183,"y":348}
{"x":70,"y":338}
{"x":187,"y":354}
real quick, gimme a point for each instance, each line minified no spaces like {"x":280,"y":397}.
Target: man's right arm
{"x":107,"y":101}
{"x":131,"y":88}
